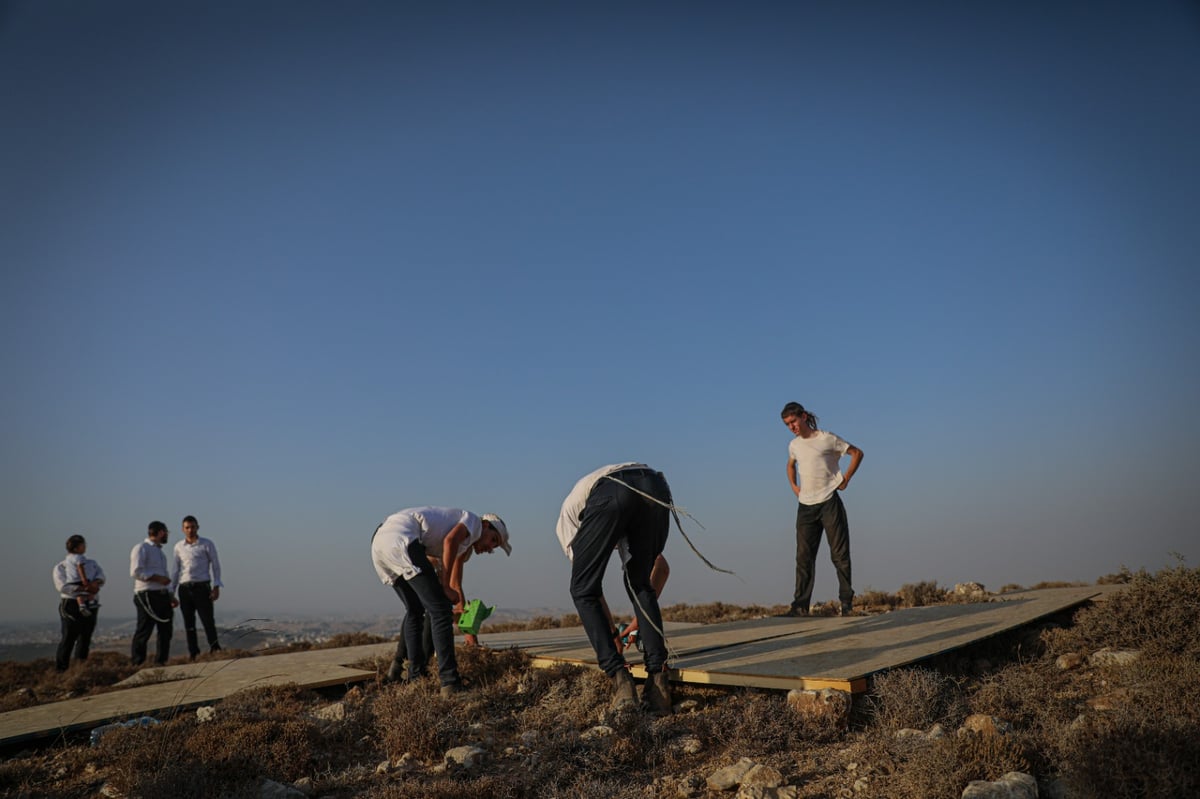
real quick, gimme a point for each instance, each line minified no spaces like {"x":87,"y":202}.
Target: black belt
{"x":195,"y":582}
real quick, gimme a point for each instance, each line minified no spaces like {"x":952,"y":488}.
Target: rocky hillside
{"x":1101,"y":702}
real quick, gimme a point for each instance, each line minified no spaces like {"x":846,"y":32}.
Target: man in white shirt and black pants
{"x":152,"y":595}
{"x":196,"y":579}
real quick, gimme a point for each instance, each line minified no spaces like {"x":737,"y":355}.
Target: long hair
{"x":797,"y":410}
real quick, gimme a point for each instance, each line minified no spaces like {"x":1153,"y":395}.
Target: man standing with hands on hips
{"x":196,"y":578}
{"x":152,"y":595}
{"x":816,"y":480}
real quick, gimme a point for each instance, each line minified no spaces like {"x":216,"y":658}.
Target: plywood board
{"x":188,"y":686}
{"x":833,"y":652}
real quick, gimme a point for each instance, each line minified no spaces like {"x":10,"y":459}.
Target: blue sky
{"x":292,"y":266}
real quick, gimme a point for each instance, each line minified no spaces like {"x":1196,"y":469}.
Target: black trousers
{"x":426,"y":641}
{"x":197,"y":598}
{"x":423,"y":595}
{"x":613,"y":512}
{"x":154,"y":612}
{"x":830,"y":517}
{"x":77,"y":632}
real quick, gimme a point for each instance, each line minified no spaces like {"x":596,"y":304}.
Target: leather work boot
{"x":395,"y":673}
{"x":452,"y":690}
{"x":624,"y":691}
{"x":656,"y":694}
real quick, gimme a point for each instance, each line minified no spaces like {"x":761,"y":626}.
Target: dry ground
{"x":1093,"y":730}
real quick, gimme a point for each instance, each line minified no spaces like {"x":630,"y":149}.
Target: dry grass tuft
{"x":713,"y":612}
{"x":918,"y":595}
{"x":913,"y":698}
{"x":414,"y":718}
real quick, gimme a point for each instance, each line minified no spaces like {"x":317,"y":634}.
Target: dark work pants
{"x":150,"y":604}
{"x":830,"y":517}
{"x":426,"y":641}
{"x":614,"y":512}
{"x":197,"y":598}
{"x":423,"y":595}
{"x":77,"y":632}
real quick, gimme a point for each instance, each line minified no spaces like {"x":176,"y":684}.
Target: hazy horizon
{"x":290,"y":267}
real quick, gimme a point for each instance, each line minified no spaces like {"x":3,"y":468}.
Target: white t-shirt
{"x":817,"y":469}
{"x":430,"y":526}
{"x":572,"y":507}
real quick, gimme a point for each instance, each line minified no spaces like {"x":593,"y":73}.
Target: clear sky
{"x":292,"y":266}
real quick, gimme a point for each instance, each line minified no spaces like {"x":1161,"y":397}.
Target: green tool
{"x":472,"y":616}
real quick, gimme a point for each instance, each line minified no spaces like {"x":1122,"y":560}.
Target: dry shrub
{"x":1031,"y":696}
{"x":413,"y":717}
{"x":542,"y":623}
{"x":913,"y":698}
{"x":351,"y":639}
{"x":1156,"y":613}
{"x":1148,"y":746}
{"x":918,"y":595}
{"x":1123,"y":577}
{"x":36,"y":682}
{"x":565,"y":701}
{"x":155,"y":761}
{"x":261,"y":732}
{"x":756,"y":724}
{"x":58,"y":774}
{"x":486,"y":786}
{"x":1057,"y":584}
{"x":944,"y":767}
{"x":877,"y":600}
{"x":712,"y":613}
{"x":483,"y":666}
{"x":564,"y":698}
{"x":1009,"y":588}
{"x":504,"y":627}
{"x":267,"y":701}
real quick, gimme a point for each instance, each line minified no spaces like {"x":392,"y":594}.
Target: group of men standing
{"x":421,"y":554}
{"x":191,"y":581}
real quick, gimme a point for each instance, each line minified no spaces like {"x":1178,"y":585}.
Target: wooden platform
{"x":778,"y":653}
{"x":825,"y":652}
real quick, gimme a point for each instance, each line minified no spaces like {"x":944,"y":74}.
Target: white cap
{"x":498,"y":523}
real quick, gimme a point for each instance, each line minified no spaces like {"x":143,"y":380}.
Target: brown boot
{"x":395,"y":673}
{"x":656,"y":694}
{"x":624,"y":691}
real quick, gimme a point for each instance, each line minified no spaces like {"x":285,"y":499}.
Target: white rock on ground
{"x":730,"y":777}
{"x":1013,"y":785}
{"x":465,"y":756}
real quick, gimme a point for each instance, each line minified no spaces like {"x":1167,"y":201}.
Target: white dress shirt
{"x":195,"y":562}
{"x":147,"y":560}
